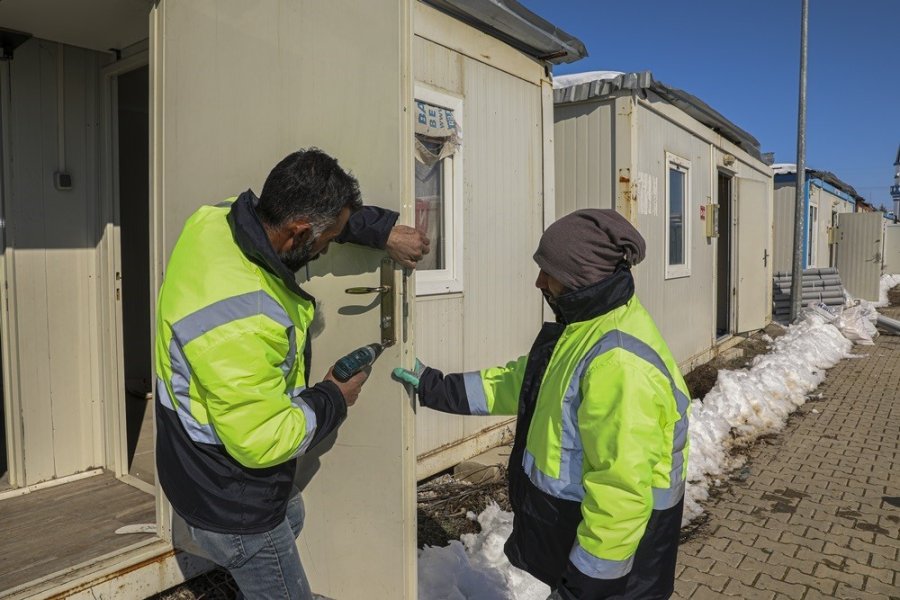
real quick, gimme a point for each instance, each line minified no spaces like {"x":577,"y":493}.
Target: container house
{"x":119,"y":118}
{"x":692,"y":182}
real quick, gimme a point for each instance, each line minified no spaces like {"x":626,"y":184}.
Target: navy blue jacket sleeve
{"x":446,"y":393}
{"x":369,"y":226}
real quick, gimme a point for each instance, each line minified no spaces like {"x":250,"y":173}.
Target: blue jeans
{"x":264,"y":565}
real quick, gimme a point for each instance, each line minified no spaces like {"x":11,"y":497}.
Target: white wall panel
{"x":52,"y":239}
{"x":499,"y":311}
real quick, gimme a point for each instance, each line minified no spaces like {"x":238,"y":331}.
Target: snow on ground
{"x":888,"y":282}
{"x":741,"y":407}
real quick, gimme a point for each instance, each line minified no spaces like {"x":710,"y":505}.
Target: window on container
{"x":812,"y":236}
{"x":678,"y":211}
{"x":438,"y":190}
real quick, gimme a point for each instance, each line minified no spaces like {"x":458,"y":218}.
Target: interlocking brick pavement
{"x":818,"y":515}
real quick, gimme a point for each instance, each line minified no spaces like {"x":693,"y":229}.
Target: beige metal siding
{"x":782,"y":253}
{"x":891,"y":263}
{"x":592,"y":172}
{"x":584,"y":164}
{"x":683,"y":308}
{"x":237,"y":85}
{"x":499,"y":311}
{"x":52,"y":236}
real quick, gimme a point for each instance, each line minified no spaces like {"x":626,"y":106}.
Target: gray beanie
{"x":587,"y":245}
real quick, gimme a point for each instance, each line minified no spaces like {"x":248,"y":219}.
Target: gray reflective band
{"x":558,"y":488}
{"x":291,"y":354}
{"x":310,"y":415}
{"x":225,"y":311}
{"x":475,"y":393}
{"x":599,"y":568}
{"x":669,"y":497}
{"x":572,"y":452}
{"x":206,"y":319}
{"x":203,"y":434}
{"x":664,"y":498}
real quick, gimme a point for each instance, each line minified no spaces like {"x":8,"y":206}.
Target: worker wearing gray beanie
{"x":598,"y":468}
{"x":587,"y":246}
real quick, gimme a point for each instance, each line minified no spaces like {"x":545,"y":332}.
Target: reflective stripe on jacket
{"x":232,"y":358}
{"x":226,"y":348}
{"x":605,"y":415}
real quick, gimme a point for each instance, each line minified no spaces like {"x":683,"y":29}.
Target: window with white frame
{"x":678,"y":212}
{"x":812,"y":237}
{"x":439,"y":190}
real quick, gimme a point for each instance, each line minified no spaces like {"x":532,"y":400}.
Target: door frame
{"x":732,"y":177}
{"x":13,"y":436}
{"x":110,"y":268}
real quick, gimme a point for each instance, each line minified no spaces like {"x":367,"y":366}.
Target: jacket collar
{"x":594,"y":300}
{"x":251,"y":238}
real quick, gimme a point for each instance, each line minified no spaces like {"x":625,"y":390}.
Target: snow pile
{"x":741,"y":407}
{"x":744,"y":405}
{"x":888,"y":282}
{"x":564,"y":81}
{"x":477,"y":568}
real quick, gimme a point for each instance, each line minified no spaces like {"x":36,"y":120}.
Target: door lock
{"x":386,"y":322}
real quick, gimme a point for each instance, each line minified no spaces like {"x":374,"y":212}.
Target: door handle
{"x":386,"y":323}
{"x":381,"y":289}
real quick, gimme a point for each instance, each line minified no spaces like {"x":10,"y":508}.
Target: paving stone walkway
{"x":817,"y":512}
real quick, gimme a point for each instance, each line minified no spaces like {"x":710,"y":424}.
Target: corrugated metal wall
{"x":52,"y":237}
{"x":683,"y":308}
{"x":828,"y":204}
{"x":782,"y":252}
{"x":891,"y":264}
{"x":584,"y":165}
{"x":499,"y":312}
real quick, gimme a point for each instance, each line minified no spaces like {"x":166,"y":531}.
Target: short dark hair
{"x":307,"y":184}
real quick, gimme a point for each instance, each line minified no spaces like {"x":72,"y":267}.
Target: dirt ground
{"x":444,"y":502}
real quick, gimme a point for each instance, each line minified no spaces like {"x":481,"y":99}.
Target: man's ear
{"x":299,"y":232}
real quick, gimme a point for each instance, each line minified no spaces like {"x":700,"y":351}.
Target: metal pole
{"x":800,"y":197}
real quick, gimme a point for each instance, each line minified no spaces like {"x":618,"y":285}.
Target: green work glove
{"x":410,"y":376}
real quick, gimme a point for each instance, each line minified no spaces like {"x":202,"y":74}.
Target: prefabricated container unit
{"x":484,"y":310}
{"x":692,"y":182}
{"x":824,"y":198}
{"x":118,"y":120}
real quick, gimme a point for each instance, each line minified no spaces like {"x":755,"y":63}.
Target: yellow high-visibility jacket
{"x":598,"y":467}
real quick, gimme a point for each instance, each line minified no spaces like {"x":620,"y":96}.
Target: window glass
{"x":676,"y":216}
{"x":430,"y":212}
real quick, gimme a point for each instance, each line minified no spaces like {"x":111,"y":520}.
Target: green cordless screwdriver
{"x":356,"y":361}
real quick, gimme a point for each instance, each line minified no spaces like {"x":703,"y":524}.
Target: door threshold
{"x":16,"y":492}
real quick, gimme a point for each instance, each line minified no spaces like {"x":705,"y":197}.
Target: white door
{"x":754,"y":236}
{"x":859,"y":247}
{"x":237,"y":85}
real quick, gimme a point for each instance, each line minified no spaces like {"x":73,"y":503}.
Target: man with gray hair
{"x":235,"y":403}
{"x":598,"y":466}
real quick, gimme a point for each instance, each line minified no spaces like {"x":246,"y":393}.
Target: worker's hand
{"x":350,"y":388}
{"x":410,"y":376}
{"x":407,"y":245}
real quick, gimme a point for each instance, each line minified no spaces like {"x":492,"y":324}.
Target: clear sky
{"x":742,"y":58}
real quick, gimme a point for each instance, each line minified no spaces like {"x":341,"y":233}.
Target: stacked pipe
{"x":818,"y":285}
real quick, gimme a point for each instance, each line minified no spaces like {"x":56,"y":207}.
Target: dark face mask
{"x":553,"y":304}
